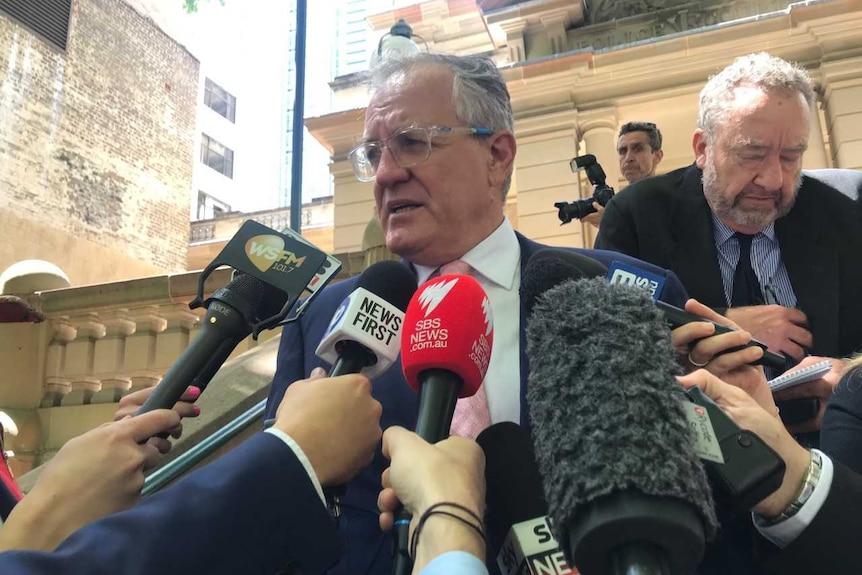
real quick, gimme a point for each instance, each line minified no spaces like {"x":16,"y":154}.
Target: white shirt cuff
{"x":300,"y":454}
{"x":784,"y":533}
{"x":455,"y":563}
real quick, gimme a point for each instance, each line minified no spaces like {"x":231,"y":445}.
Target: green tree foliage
{"x":192,"y":5}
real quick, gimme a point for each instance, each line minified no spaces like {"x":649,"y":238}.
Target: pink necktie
{"x":471,"y":413}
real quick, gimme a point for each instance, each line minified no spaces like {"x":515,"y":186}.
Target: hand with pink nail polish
{"x":185,"y":407}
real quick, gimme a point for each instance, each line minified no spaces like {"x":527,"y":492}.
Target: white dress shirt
{"x":782,"y":534}
{"x":455,"y":563}
{"x":496,"y":262}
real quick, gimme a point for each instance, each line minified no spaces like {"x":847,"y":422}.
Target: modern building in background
{"x":246,"y":62}
{"x":352,"y":37}
{"x":214,"y":170}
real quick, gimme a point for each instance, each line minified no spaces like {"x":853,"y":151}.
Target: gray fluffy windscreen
{"x":605,"y":407}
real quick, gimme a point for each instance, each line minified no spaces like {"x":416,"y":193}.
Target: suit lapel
{"x":813,"y":267}
{"x":528,"y":248}
{"x":692,"y":254}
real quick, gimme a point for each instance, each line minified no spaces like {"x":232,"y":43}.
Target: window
{"x":217,"y":156}
{"x":209,"y":207}
{"x":48,"y":18}
{"x":220,"y":100}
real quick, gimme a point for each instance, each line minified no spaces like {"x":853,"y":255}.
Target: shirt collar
{"x":721,"y":233}
{"x":495,"y":258}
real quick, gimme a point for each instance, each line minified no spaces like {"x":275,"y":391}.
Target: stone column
{"x":56,"y":383}
{"x":353,"y":205}
{"x":555,"y":28}
{"x":842,"y":101}
{"x":546,"y":145}
{"x":109,"y":361}
{"x":599,"y":129}
{"x":80,"y":356}
{"x":815,"y":155}
{"x":141,"y":347}
{"x":515,"y":40}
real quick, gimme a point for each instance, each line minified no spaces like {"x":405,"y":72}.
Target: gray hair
{"x":648,"y":128}
{"x":479,"y":91}
{"x":761,"y":70}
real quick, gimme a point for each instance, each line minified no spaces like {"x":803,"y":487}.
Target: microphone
{"x":516,"y":514}
{"x":626,"y":490}
{"x":230,"y":312}
{"x":284,"y":261}
{"x":445,"y":351}
{"x":364,"y":333}
{"x":741,"y":467}
{"x":552,"y":266}
{"x":676,"y":317}
{"x":549,"y":268}
{"x":445,"y":348}
{"x":272,"y":270}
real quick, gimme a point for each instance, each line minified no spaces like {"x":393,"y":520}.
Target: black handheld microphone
{"x":273,"y":269}
{"x":550,"y":266}
{"x":677,"y":317}
{"x":231,"y":311}
{"x":364,"y":334}
{"x":627,"y":493}
{"x":516,"y":514}
{"x":445,"y":351}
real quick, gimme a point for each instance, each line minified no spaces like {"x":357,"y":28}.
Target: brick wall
{"x":97,"y":143}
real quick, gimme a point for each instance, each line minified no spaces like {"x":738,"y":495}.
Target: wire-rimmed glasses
{"x":409,"y":147}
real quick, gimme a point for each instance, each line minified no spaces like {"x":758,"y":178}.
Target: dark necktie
{"x":746,"y":287}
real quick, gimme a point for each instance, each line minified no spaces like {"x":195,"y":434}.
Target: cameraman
{"x":639,"y":149}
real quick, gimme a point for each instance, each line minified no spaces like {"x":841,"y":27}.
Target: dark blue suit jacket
{"x":253,"y":511}
{"x":841,"y":432}
{"x":367,"y":550}
{"x":666,"y":220}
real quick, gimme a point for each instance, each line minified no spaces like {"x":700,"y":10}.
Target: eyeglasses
{"x":409,"y":147}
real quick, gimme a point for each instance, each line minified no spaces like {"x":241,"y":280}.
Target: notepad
{"x":804,"y":375}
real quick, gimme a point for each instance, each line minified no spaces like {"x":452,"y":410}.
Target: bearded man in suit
{"x":749,"y":233}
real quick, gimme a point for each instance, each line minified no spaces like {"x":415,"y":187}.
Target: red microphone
{"x":445,"y":350}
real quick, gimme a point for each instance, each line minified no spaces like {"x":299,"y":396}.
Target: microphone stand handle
{"x":402,"y":563}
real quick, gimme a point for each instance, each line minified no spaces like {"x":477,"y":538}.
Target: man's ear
{"x":502,"y":149}
{"x":658,"y":156}
{"x":699,"y":144}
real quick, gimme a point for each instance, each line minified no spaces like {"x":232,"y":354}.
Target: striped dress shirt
{"x":765,"y":260}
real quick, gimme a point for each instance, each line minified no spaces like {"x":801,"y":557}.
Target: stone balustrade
{"x":65,"y":375}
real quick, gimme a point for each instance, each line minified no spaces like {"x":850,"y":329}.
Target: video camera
{"x":602,"y":193}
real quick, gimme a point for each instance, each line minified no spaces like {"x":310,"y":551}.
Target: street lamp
{"x":397,"y":42}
